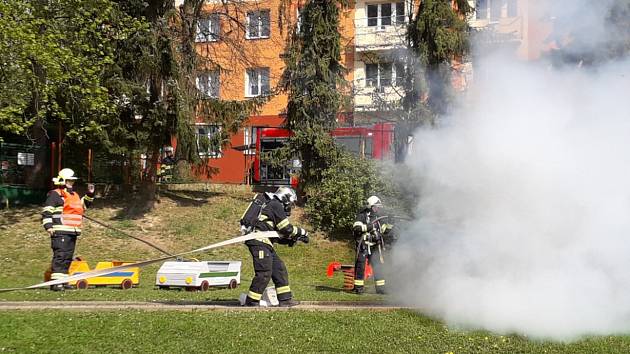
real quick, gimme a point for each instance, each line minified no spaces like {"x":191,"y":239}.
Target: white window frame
{"x":393,"y":16}
{"x":393,"y":77}
{"x":205,"y":82}
{"x":214,"y":22}
{"x":208,"y":154}
{"x":259,"y":82}
{"x":259,"y":26}
{"x":490,"y":5}
{"x":250,"y":137}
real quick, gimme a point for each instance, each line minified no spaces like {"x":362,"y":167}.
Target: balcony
{"x":502,"y":30}
{"x":376,"y":98}
{"x":379,"y":37}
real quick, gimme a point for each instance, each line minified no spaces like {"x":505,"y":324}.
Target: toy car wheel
{"x":204,"y":286}
{"x":82,"y":284}
{"x":126,"y":284}
{"x":233,"y":284}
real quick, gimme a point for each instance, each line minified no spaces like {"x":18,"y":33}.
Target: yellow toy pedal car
{"x":126,"y":279}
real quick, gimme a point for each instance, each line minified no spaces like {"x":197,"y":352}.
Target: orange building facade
{"x":240,"y":46}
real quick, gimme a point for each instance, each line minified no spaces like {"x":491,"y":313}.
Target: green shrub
{"x":346,"y":184}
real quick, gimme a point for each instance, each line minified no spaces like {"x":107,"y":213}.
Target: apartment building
{"x":520,"y":27}
{"x":240,"y":45}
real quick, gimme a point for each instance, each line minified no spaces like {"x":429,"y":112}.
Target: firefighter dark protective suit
{"x":370,"y":246}
{"x":267,"y":263}
{"x":62,"y":218}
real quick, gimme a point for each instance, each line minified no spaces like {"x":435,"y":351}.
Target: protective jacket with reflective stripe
{"x":63,"y":211}
{"x":274,"y":218}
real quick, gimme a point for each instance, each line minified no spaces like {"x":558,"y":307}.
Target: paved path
{"x":190,"y":306}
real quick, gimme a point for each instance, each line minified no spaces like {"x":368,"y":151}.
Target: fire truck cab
{"x":372,"y":142}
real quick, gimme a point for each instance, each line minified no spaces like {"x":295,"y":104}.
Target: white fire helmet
{"x":286,"y":195}
{"x":64,"y":175}
{"x":374,"y":201}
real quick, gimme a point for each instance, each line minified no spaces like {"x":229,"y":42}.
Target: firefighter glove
{"x":386,"y":228}
{"x":303,"y":236}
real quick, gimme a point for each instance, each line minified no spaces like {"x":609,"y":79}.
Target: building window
{"x":208,"y":140}
{"x":258,"y":24}
{"x":257,"y":82}
{"x":384,"y":74}
{"x":250,"y":135}
{"x":380,"y":15}
{"x":481,"y":9}
{"x":208,"y":83}
{"x":399,"y":74}
{"x":495,"y":9}
{"x":512,"y":8}
{"x":208,"y":29}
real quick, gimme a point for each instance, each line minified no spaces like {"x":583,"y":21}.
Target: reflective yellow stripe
{"x":380,"y":282}
{"x":253,"y":295}
{"x":55,"y":276}
{"x":270,"y":223}
{"x":246,"y":209}
{"x":47,"y":221}
{"x":263,"y":217}
{"x":363,"y":226}
{"x":65,"y":228}
{"x":89,"y":199}
{"x":284,"y":223}
{"x":294,"y":232}
{"x":265,"y":240}
{"x":283,"y":289}
{"x":359,"y":282}
{"x":58,"y":209}
{"x":49,"y":209}
{"x":261,"y":254}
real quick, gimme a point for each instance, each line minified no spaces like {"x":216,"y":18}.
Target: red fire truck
{"x":373,"y":142}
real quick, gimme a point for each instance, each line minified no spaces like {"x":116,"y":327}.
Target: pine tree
{"x":314,"y":80}
{"x":437,"y":35}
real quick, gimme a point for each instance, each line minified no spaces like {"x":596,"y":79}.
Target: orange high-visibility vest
{"x":72,"y":214}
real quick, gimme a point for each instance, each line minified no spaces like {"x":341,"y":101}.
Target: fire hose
{"x":128,"y":235}
{"x":96,"y":273}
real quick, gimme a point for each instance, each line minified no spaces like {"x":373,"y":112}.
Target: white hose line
{"x":96,"y":273}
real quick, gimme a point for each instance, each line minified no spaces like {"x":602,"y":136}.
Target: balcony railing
{"x":381,"y":36}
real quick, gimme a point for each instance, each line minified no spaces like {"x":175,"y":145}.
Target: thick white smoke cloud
{"x":524,"y":218}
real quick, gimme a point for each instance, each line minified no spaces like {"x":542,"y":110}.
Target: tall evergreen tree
{"x":437,"y":35}
{"x":314,"y":80}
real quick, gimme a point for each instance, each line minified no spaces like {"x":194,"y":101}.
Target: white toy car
{"x":199,"y":275}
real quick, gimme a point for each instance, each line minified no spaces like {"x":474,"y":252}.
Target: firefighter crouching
{"x":62,"y":217}
{"x":273,"y":216}
{"x":370,"y":245}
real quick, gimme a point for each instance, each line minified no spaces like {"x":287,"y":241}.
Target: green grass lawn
{"x":263,"y":332}
{"x":177,"y":224}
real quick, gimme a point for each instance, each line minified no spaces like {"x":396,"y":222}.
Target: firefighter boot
{"x":288,"y":303}
{"x":58,"y":287}
{"x":358,"y":290}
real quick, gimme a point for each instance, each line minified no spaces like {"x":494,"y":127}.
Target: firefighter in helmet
{"x":274,"y":216}
{"x":369,"y":231}
{"x":61,"y":218}
{"x":166,"y":165}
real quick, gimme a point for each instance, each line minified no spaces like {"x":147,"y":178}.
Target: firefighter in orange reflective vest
{"x":61,"y":218}
{"x":369,"y":236}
